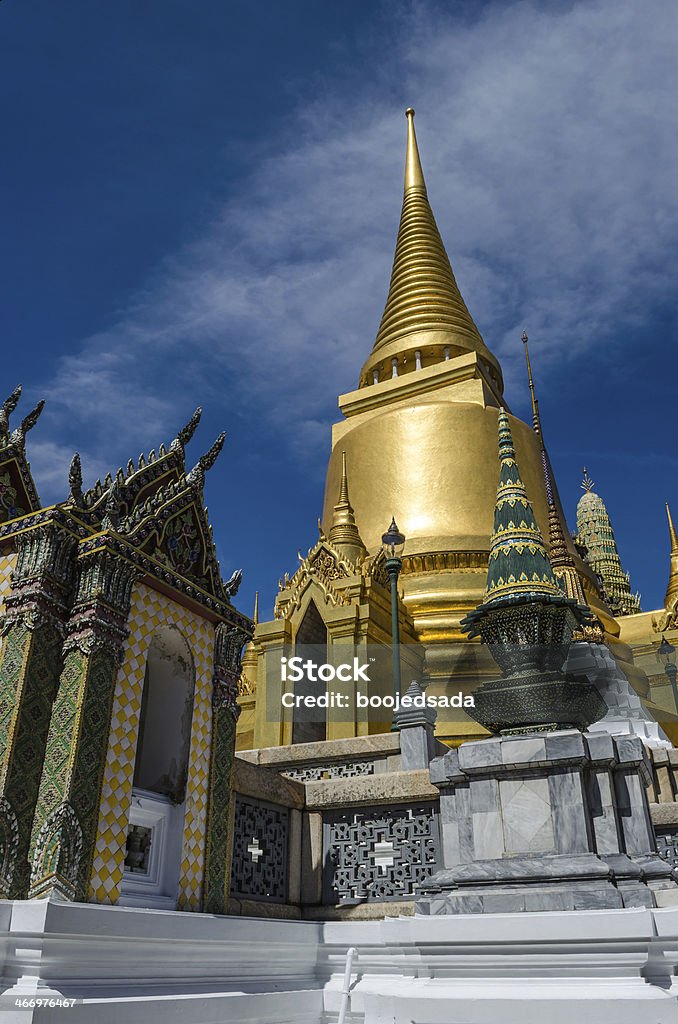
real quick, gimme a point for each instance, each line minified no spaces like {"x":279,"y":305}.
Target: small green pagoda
{"x":595,"y":534}
{"x":527,"y":621}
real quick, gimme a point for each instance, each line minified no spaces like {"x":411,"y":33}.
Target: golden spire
{"x":344,"y":535}
{"x":424,"y":309}
{"x":561,"y":559}
{"x":414,"y":176}
{"x":536,"y":421}
{"x":672,"y":590}
{"x":255,"y":616}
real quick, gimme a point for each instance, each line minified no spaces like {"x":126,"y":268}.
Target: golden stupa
{"x":417,"y":440}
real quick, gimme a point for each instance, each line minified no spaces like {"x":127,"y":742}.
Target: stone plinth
{"x":555,"y":821}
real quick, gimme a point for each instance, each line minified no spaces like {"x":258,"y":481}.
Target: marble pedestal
{"x":626,"y":715}
{"x":544,"y":822}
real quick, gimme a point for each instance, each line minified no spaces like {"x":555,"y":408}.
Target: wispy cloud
{"x":549,"y":141}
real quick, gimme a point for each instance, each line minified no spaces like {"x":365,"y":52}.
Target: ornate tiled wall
{"x":6,"y":565}
{"x":149,"y":611}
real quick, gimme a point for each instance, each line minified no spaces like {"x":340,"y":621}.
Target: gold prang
{"x":344,"y":535}
{"x":424,"y":309}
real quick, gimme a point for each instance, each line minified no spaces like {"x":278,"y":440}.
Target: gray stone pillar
{"x":416,"y":724}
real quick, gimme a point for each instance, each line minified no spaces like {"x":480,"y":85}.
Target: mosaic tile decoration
{"x":149,"y":611}
{"x":7,"y":563}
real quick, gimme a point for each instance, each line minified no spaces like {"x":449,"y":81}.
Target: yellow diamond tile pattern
{"x":149,"y":611}
{"x":7,"y":563}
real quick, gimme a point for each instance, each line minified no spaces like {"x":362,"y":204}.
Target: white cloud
{"x":549,"y":144}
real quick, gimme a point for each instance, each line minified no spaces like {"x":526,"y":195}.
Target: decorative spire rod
{"x":672,"y":532}
{"x":587,"y":483}
{"x":343,"y":487}
{"x":536,"y":421}
{"x":671,"y":598}
{"x":255,"y":616}
{"x":561,"y":559}
{"x":414,"y":176}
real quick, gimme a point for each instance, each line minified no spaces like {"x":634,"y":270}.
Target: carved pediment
{"x":324,"y":566}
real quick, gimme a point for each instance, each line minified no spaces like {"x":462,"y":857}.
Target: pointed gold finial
{"x":343,"y":488}
{"x":414,"y":176}
{"x":425,"y":312}
{"x":255,"y":616}
{"x":587,"y":483}
{"x":559,"y":554}
{"x":536,"y":421}
{"x":671,"y":599}
{"x":672,"y":531}
{"x":344,"y":534}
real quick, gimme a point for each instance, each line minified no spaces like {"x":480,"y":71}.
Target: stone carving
{"x":75,"y":480}
{"x":6,"y":410}
{"x":138,"y":848}
{"x":187,"y":432}
{"x":228,"y":648}
{"x":667,"y":845}
{"x":245,"y":686}
{"x":232,"y":584}
{"x":196,"y":477}
{"x":383,"y":853}
{"x":28,"y":422}
{"x":9,"y":842}
{"x":58,"y":849}
{"x":345,"y":770}
{"x":259,"y":865}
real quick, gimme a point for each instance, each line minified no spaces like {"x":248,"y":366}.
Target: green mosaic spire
{"x":518,"y":564}
{"x":595,"y":533}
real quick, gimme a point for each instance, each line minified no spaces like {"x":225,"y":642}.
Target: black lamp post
{"x":667,"y":653}
{"x":393,"y":543}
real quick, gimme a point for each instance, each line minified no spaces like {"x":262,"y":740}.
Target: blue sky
{"x":200,"y":203}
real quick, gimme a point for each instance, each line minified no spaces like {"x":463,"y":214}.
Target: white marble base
{"x":128,"y":966}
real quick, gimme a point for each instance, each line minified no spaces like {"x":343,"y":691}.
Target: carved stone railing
{"x":345,"y":845}
{"x":381,"y":853}
{"x":331,"y":759}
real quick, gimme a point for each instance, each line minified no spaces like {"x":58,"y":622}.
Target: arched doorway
{"x":153,"y":854}
{"x":312,"y":633}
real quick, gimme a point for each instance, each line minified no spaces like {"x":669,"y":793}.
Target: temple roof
{"x":424,"y":307}
{"x":150,"y":513}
